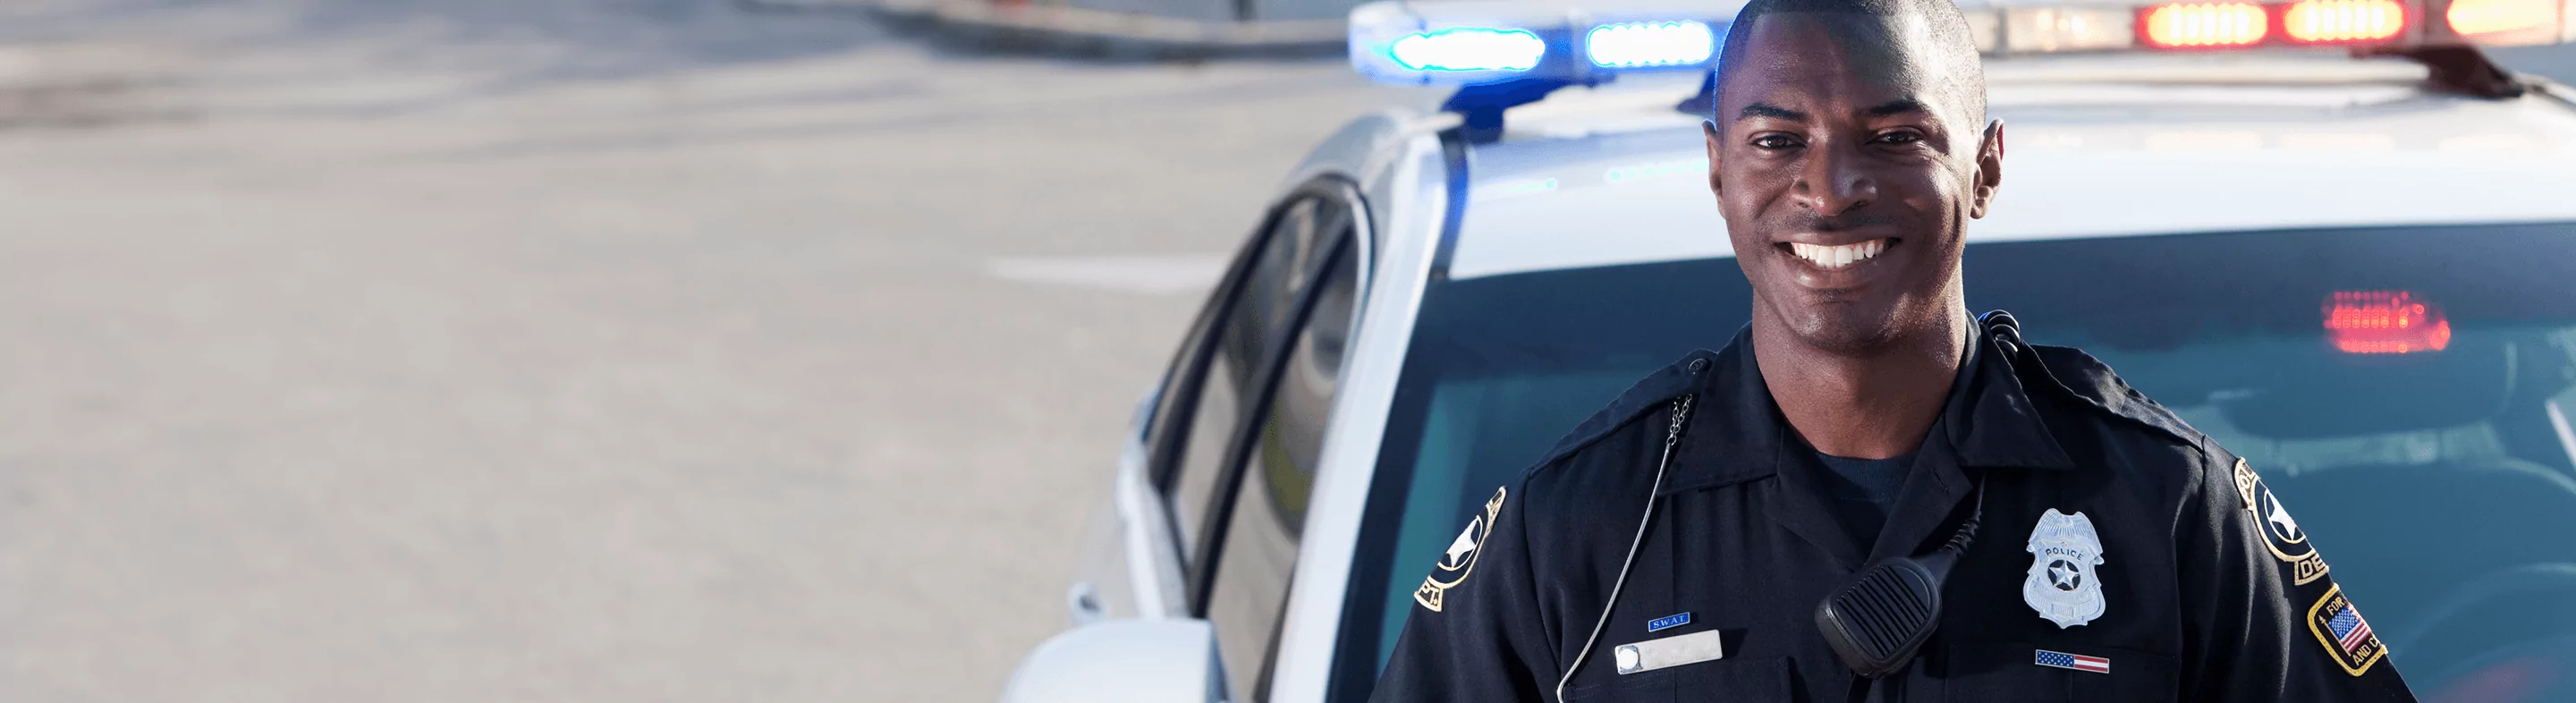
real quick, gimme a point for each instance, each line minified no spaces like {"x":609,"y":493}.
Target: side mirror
{"x":1122,"y":661}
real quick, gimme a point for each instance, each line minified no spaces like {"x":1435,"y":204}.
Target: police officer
{"x":1867,"y":494}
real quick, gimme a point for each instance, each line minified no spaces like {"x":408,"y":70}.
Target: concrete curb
{"x":1264,"y":37}
{"x":1087,"y":30}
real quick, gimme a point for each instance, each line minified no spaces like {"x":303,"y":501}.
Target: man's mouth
{"x":1839,"y":256}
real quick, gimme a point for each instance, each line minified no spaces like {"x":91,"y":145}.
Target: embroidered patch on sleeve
{"x":1460,"y":559}
{"x":2281,"y":533}
{"x":2347,"y":637}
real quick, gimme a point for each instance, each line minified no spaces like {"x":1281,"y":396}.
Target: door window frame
{"x":1168,"y":423}
{"x":1177,"y":400}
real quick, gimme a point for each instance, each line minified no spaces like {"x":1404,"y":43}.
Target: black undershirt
{"x":1864,"y":490}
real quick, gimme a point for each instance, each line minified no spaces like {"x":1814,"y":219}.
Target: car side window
{"x":1171,"y":396}
{"x":1249,"y":593}
{"x":1243,"y":328}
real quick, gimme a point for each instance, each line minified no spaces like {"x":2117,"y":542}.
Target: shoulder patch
{"x":1674,"y":380}
{"x":2092,"y":380}
{"x":1460,"y":559}
{"x":2281,"y":533}
{"x":2347,"y":637}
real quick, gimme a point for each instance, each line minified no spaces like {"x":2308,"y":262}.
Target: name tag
{"x":1671,"y":651}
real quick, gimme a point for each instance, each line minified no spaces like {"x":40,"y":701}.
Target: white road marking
{"x":1152,"y":274}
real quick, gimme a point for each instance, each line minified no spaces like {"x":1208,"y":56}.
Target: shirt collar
{"x":1993,"y":423}
{"x":1736,"y":433}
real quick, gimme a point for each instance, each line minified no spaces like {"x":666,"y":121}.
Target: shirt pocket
{"x":2010,"y":671}
{"x":1755,"y":679}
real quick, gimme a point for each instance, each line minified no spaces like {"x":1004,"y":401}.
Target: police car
{"x":2328,"y":233}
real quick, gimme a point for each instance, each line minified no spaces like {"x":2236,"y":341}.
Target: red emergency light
{"x":2204,"y":25}
{"x":2385,"y":322}
{"x":2332,"y":21}
{"x":2229,"y":25}
{"x":2511,"y":22}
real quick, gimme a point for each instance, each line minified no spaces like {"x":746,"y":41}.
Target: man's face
{"x":1846,"y":167}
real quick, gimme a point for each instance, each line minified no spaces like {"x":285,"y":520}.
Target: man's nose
{"x":1834,"y":181}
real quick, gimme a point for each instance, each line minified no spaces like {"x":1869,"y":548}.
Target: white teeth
{"x":1835,"y":257}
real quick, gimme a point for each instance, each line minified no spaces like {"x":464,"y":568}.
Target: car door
{"x":1241,"y":425}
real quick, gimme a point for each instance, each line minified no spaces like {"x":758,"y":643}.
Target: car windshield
{"x":2439,"y":481}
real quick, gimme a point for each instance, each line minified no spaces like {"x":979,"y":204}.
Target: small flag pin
{"x":2077,"y":662}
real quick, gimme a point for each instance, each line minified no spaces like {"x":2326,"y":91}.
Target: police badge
{"x":2061,"y":586}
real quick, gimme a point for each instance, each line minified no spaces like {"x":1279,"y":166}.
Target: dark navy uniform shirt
{"x":2121,"y":557}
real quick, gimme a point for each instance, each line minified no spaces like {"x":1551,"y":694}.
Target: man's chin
{"x":1844,"y":331}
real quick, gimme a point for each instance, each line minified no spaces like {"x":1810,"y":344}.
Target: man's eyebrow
{"x":1898,"y":106}
{"x":1772,"y":111}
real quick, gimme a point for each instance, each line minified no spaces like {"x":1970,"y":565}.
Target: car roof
{"x":2095,"y":147}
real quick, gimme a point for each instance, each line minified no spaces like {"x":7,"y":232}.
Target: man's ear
{"x":1990,"y":169}
{"x":1715,"y":186}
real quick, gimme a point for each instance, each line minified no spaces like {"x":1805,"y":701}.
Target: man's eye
{"x":1774,"y":141}
{"x":1900,"y":137}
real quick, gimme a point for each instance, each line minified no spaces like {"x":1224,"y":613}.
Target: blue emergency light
{"x":1650,"y":44}
{"x":1491,"y":42}
{"x":1468,"y":49}
{"x":1505,"y":53}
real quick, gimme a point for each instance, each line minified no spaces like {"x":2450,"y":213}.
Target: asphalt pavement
{"x":584,"y":350}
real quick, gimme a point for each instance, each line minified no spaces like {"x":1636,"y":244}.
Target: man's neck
{"x":1873,"y":406}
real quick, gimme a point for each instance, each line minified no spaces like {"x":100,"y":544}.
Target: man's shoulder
{"x":1654,"y":392}
{"x":2101,"y":390}
{"x":2141,"y":439}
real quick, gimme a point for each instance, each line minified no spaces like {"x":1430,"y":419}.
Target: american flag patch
{"x":2349,"y":629}
{"x":2338,"y":626}
{"x":2077,"y":662}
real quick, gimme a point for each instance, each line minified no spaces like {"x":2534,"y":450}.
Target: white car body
{"x":2097,"y":146}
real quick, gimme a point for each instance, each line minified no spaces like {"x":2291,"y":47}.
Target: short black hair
{"x":1952,"y":39}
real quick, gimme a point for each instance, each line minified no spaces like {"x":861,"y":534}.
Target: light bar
{"x":2056,"y":26}
{"x":1638,"y":44}
{"x":2513,"y":22}
{"x":1504,"y":53}
{"x":2329,"y":21}
{"x":2204,"y":25}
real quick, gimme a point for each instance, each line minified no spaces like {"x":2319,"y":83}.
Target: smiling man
{"x":1869,"y":495}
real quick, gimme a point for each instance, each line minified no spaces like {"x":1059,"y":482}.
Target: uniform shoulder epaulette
{"x":1673,"y":381}
{"x":2092,"y":380}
